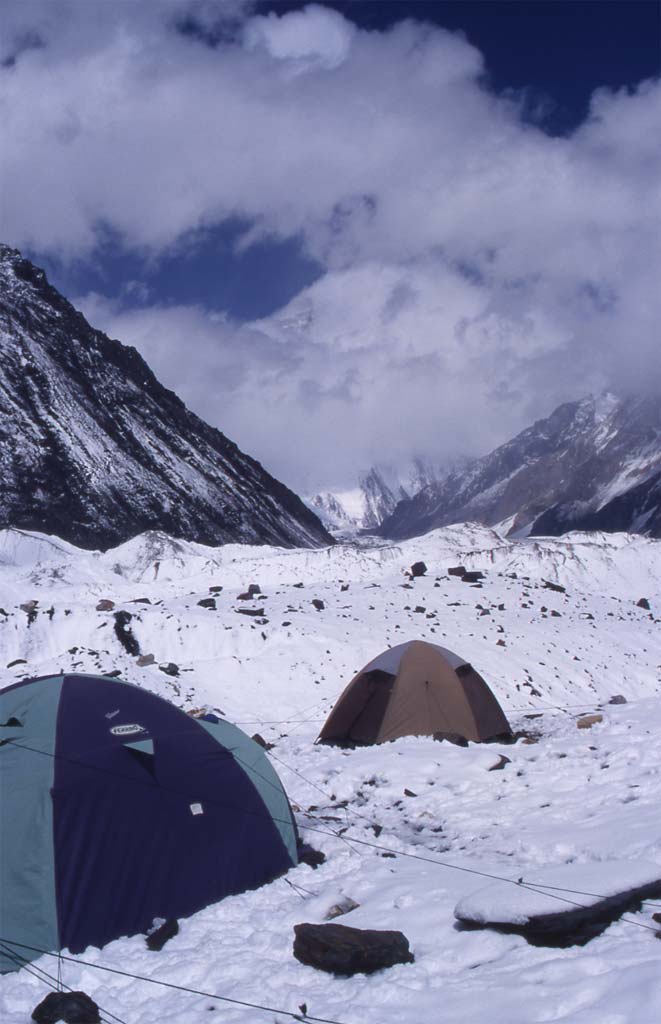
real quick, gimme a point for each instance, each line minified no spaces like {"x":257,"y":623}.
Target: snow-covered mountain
{"x":377,"y":494}
{"x":593,"y":464}
{"x":94,"y":449}
{"x":406,"y":825}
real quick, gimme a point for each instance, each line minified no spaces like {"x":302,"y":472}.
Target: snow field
{"x":577,"y":797}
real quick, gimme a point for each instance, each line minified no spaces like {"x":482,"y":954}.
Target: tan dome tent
{"x":415,"y":689}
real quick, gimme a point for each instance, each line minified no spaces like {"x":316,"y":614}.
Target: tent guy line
{"x":362,"y":842}
{"x":170,"y":984}
{"x":56,"y":984}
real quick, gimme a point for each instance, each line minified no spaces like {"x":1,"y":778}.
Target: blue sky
{"x":345,"y":221}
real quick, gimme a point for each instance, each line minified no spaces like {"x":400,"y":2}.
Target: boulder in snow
{"x":338,"y":949}
{"x":70,"y":1007}
{"x":587,"y":721}
{"x":565,"y":905}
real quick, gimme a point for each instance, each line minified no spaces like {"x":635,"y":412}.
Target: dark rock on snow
{"x":500,"y":763}
{"x":105,"y":605}
{"x":169,"y":668}
{"x":208,"y":602}
{"x":472,"y":577}
{"x":70,"y":1007}
{"x":318,"y":604}
{"x":125,"y":634}
{"x":643,"y":603}
{"x":257,"y":738}
{"x":162,"y":933}
{"x":418,"y":569}
{"x":617,"y":698}
{"x":338,"y":949}
{"x":154,"y":465}
{"x":308,"y":855}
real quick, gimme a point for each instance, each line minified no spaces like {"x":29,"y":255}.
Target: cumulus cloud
{"x":314,"y":36}
{"x":471,"y":261}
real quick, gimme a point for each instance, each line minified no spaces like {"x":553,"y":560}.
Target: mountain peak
{"x":592,"y":464}
{"x":95,"y":449}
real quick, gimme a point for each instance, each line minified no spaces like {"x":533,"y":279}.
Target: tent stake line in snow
{"x":170,"y":984}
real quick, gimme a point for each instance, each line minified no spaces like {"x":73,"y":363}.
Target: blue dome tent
{"x":116,"y":807}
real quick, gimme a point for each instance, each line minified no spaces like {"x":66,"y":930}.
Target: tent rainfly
{"x":116,"y":808}
{"x":415,"y":689}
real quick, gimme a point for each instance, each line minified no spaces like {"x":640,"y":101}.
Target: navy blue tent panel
{"x":154,"y":813}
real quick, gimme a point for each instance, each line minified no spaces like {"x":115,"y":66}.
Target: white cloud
{"x":472,"y":261}
{"x":313,"y":36}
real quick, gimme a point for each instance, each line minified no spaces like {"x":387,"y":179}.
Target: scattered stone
{"x":140,"y":600}
{"x":500,"y":643}
{"x":587,"y":721}
{"x":338,"y":949}
{"x":409,"y":792}
{"x":115,"y":674}
{"x":125,"y":634}
{"x":642,"y":603}
{"x":208,"y":602}
{"x":286,"y":622}
{"x":344,"y":587}
{"x":105,"y":605}
{"x":555,"y":614}
{"x":299,"y":586}
{"x":344,"y":906}
{"x":249,"y":611}
{"x":262,"y":742}
{"x":457,"y":570}
{"x":318,"y":604}
{"x":70,"y":1007}
{"x":500,"y":764}
{"x":170,"y":668}
{"x":29,"y":606}
{"x":554,"y":586}
{"x":254,"y":588}
{"x":418,"y":569}
{"x":618,"y":699}
{"x":472,"y":577}
{"x":16,"y":661}
{"x":215,"y":590}
{"x":145,"y":659}
{"x":308,"y":855}
{"x":419,"y":609}
{"x":161,"y":933}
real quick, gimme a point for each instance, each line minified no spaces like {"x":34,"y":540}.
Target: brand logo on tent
{"x":127,"y":730}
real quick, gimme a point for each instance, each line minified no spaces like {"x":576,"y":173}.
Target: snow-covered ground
{"x":576,"y":796}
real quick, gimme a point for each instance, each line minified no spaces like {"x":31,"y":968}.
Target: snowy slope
{"x":593,"y":464}
{"x":574,"y":796}
{"x":93,"y":448}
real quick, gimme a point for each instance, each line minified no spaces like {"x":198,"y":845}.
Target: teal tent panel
{"x":27,"y":875}
{"x":252,"y":758}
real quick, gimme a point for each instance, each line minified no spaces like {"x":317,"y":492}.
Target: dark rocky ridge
{"x":591,"y":465}
{"x":94,"y":449}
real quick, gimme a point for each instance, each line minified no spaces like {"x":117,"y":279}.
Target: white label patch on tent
{"x":197,"y":809}
{"x":127,"y":730}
